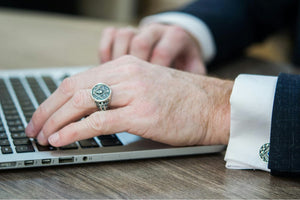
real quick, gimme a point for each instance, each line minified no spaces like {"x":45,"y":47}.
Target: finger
{"x":173,"y":42}
{"x":143,"y":43}
{"x":99,"y":123}
{"x":191,"y":62}
{"x":106,"y":43}
{"x":48,"y":107}
{"x":66,"y":90}
{"x":122,"y":41}
{"x":196,"y":66}
{"x":79,"y":106}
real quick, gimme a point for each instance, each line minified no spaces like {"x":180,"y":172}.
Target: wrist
{"x":218,"y":129}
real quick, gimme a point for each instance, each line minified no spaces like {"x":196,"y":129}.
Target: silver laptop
{"x":21,"y":92}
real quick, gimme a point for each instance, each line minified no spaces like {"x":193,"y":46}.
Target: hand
{"x":151,"y":101}
{"x":165,"y":45}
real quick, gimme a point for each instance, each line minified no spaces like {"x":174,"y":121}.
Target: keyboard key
{"x":22,"y":96}
{"x":9,"y":106}
{"x":106,"y":137}
{"x":7,"y":103}
{"x":23,"y":141}
{"x":18,"y":135}
{"x":28,"y":109}
{"x":12,"y":117}
{"x":2,"y":130}
{"x":3,"y":136}
{"x":14,"y":123}
{"x":24,"y":148}
{"x":11,"y":112}
{"x":88,"y":143}
{"x":50,"y":83}
{"x":27,"y":103}
{"x":28,"y":119}
{"x":36,"y":89}
{"x":6,"y":150}
{"x":28,"y":114}
{"x":45,"y":148}
{"x":70,"y":146}
{"x":17,"y":129}
{"x":4,"y":142}
{"x":107,"y":143}
{"x":109,"y":140}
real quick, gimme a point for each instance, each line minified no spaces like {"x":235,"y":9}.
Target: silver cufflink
{"x":264,"y":152}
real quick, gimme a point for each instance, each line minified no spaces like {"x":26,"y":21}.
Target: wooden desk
{"x":39,"y":40}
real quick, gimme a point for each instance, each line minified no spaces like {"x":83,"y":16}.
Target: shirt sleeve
{"x":195,"y":26}
{"x":251,"y":113}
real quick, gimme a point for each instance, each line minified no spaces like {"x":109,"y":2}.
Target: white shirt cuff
{"x":251,"y":113}
{"x":196,"y":27}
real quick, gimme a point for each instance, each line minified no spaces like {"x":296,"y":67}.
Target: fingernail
{"x":53,"y":139}
{"x":41,"y":138}
{"x":29,"y":129}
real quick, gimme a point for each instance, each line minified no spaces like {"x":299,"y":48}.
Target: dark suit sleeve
{"x":235,"y":24}
{"x":284,"y":156}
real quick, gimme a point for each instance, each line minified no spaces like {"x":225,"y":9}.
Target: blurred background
{"x":275,"y":49}
{"x":118,"y":10}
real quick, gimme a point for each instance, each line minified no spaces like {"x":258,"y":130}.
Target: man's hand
{"x":165,"y":45}
{"x":159,"y":103}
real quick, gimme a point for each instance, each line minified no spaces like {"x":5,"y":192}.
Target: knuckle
{"x":156,"y":26}
{"x":133,"y":69}
{"x":124,"y":32}
{"x":49,"y":126}
{"x":67,"y":85}
{"x":71,"y":134}
{"x":127,"y":59}
{"x":41,"y":112}
{"x":96,"y":122}
{"x":52,"y":122}
{"x":140,"y":44}
{"x":79,"y":99}
{"x":162,"y":53}
{"x":179,"y":33}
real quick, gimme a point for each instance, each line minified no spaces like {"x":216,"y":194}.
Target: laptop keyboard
{"x":12,"y":130}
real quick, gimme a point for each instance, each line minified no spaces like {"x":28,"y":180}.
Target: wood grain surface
{"x":201,"y":176}
{"x":34,"y":40}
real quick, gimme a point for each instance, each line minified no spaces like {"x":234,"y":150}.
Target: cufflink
{"x":264,"y":152}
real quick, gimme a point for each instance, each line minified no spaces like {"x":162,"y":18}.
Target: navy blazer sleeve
{"x":284,"y":156}
{"x":235,"y":24}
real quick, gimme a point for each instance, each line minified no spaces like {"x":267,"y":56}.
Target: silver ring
{"x":101,"y":94}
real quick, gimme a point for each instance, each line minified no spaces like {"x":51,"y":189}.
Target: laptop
{"x":21,"y":92}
